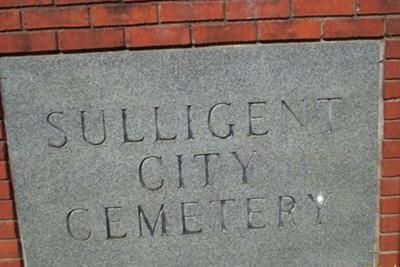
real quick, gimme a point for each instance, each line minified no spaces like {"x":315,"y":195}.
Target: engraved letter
{"x":180,"y":177}
{"x":161,"y":215}
{"x":222,"y":203}
{"x":287,"y":107}
{"x":319,"y":202}
{"x":68,"y":221}
{"x":330,"y":110}
{"x":62,"y":143}
{"x":158,"y":134}
{"x":286,"y":205}
{"x":185,"y":230}
{"x":251,"y":118}
{"x":230,"y":133}
{"x":84,"y":129}
{"x":250,"y":213}
{"x":125,"y":129}
{"x":109,"y":220}
{"x":159,"y":160}
{"x":189,"y":121}
{"x":243,"y":165}
{"x":206,"y":164}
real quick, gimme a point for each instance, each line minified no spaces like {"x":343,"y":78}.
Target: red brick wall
{"x":56,"y":26}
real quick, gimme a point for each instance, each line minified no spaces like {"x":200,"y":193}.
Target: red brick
{"x":5,"y":190}
{"x":390,"y":187}
{"x":3,"y":151}
{"x":252,"y":9}
{"x":191,"y":11}
{"x":391,"y":149}
{"x":224,"y":33}
{"x":157,"y":36}
{"x":8,"y":230}
{"x":289,"y":30}
{"x":71,"y":2}
{"x":11,"y":263}
{"x":353,"y":28}
{"x":379,"y":6}
{"x":393,"y":49}
{"x":56,"y":18}
{"x":27,"y":42}
{"x":9,"y":249}
{"x":3,"y":170}
{"x":393,"y":26}
{"x":389,"y":259}
{"x":390,"y":242}
{"x":2,"y":128}
{"x":390,"y":223}
{"x":323,"y":7}
{"x":6,"y":209}
{"x":21,"y":3}
{"x":391,"y":167}
{"x":392,"y":129}
{"x":123,"y":15}
{"x":73,"y":40}
{"x":392,"y":110}
{"x":9,"y":20}
{"x":392,"y":89}
{"x":392,"y":69}
{"x":390,"y":205}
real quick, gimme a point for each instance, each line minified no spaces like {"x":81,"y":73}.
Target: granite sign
{"x":258,"y":155}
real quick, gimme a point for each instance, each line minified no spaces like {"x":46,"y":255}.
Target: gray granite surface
{"x":255,"y":155}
